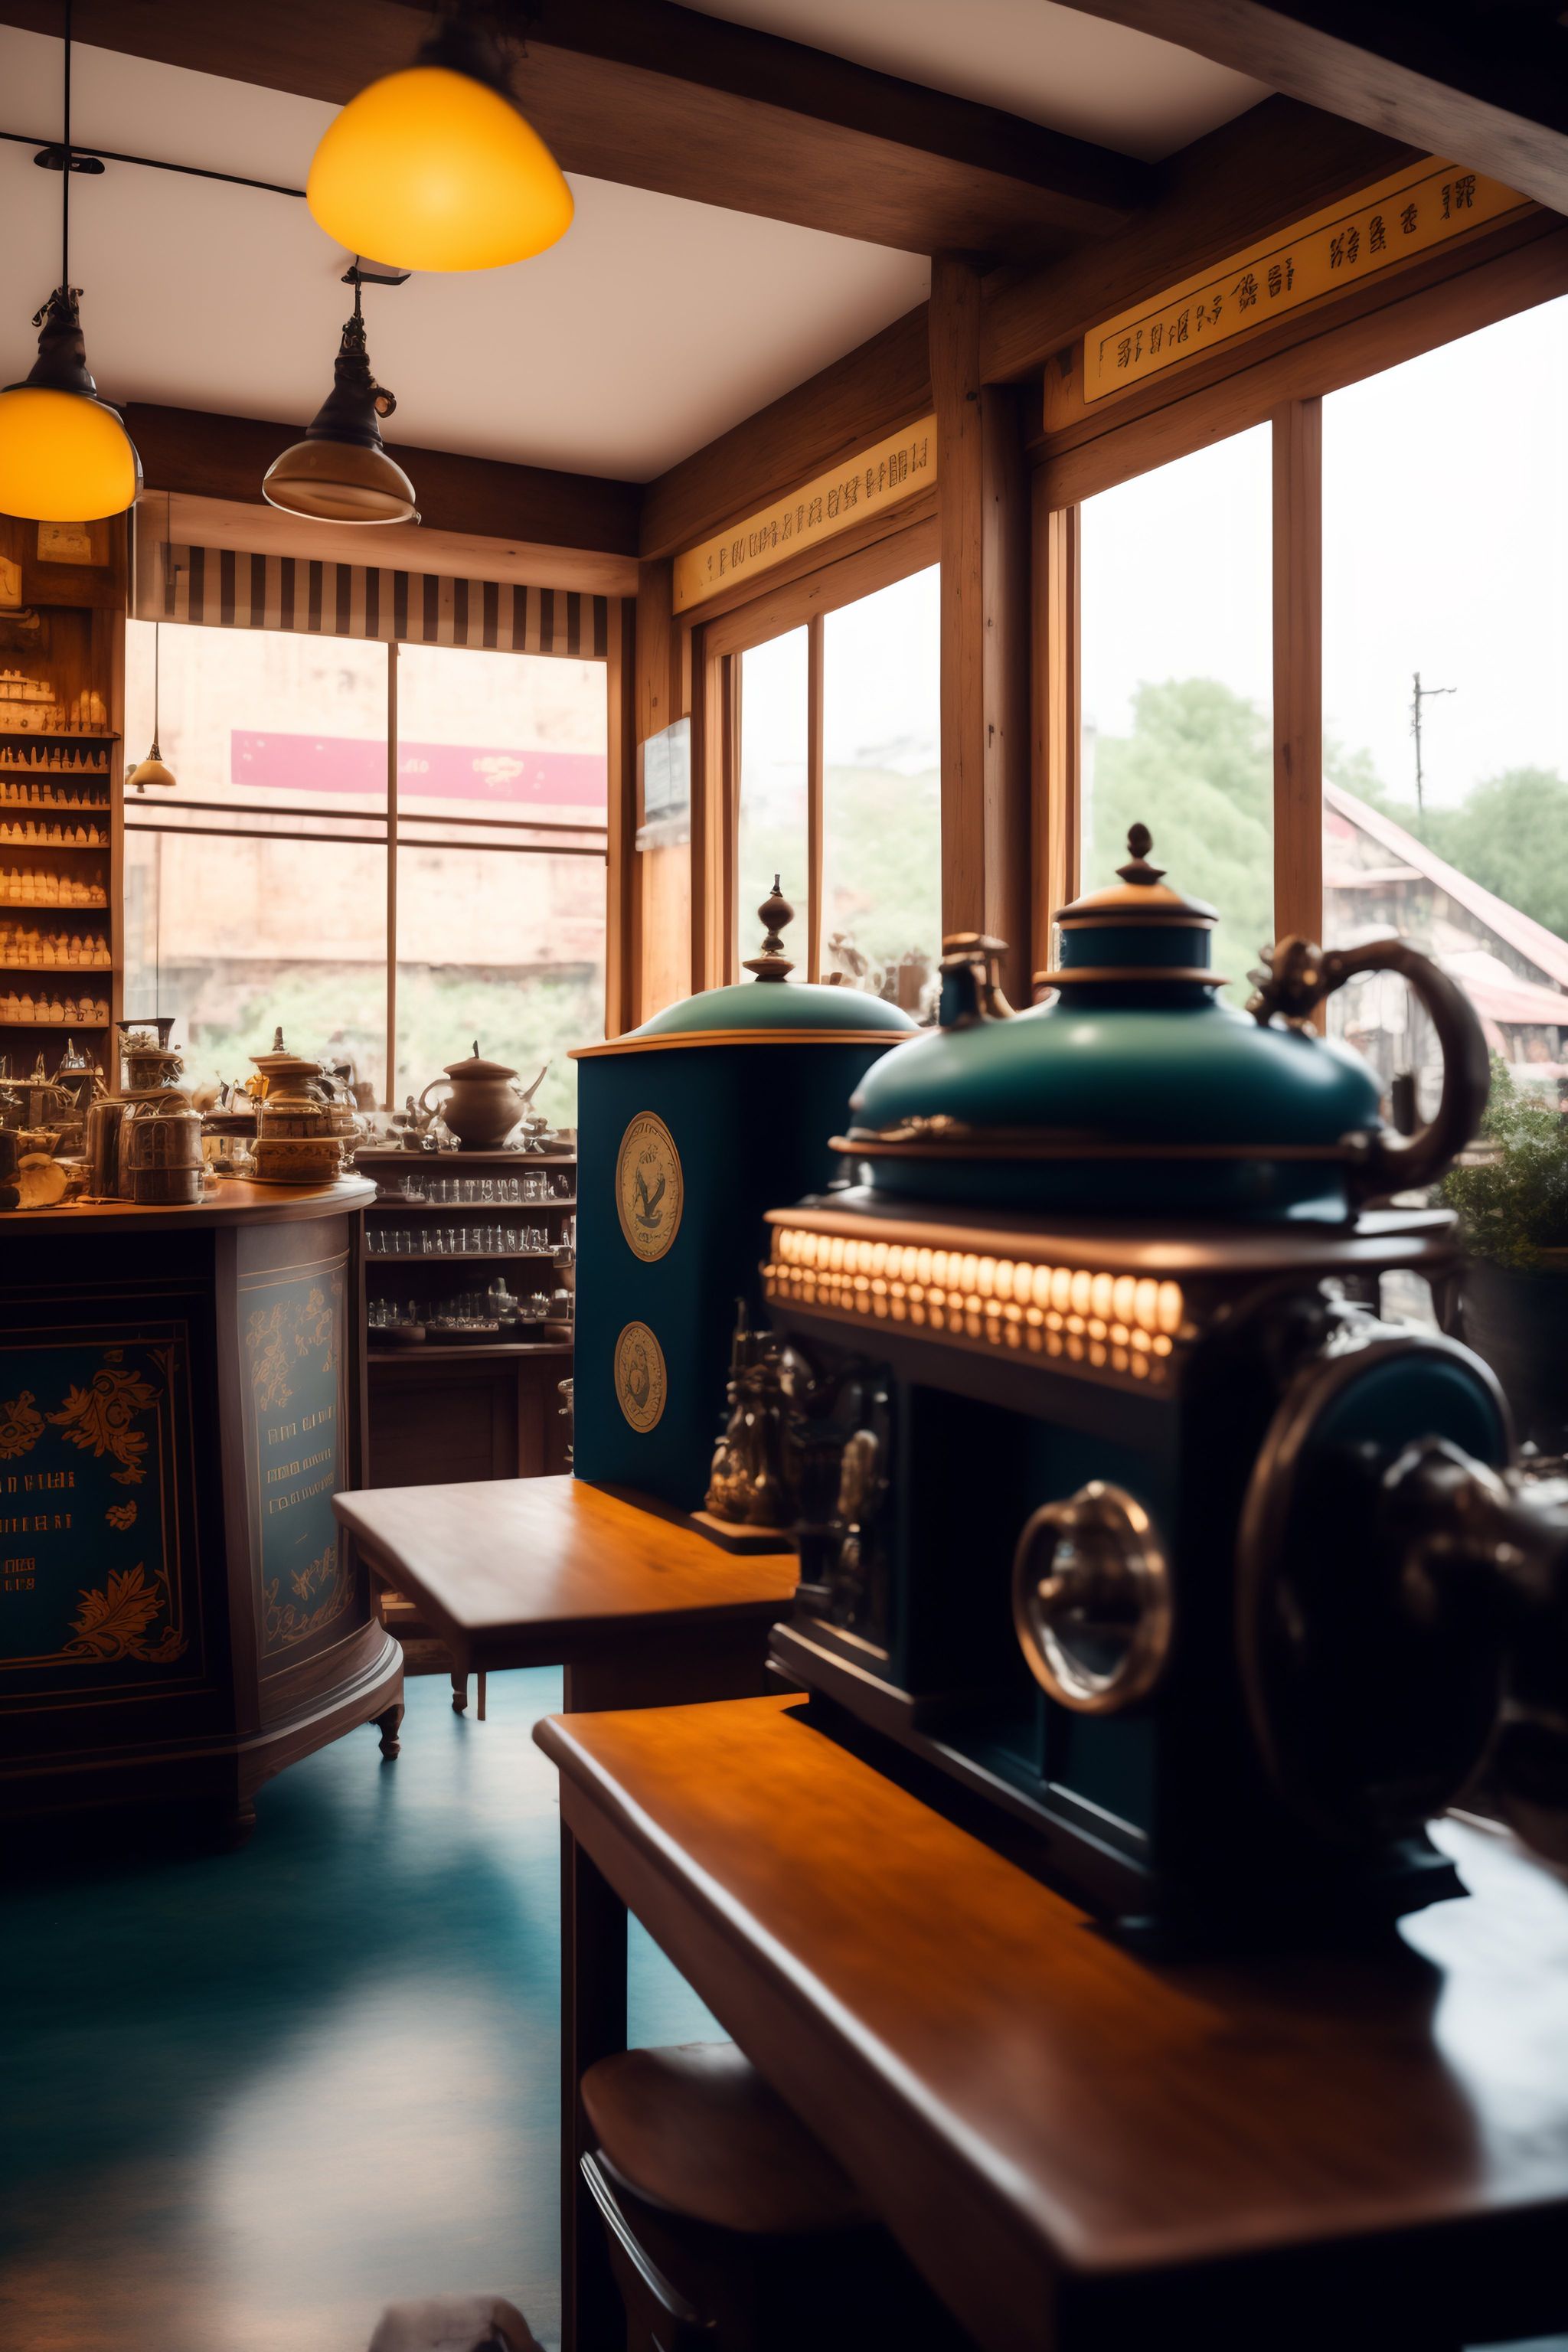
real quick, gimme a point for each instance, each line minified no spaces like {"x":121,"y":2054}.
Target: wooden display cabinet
{"x":62,"y":639}
{"x":443,"y":1411}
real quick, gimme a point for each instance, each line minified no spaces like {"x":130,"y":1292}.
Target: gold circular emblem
{"x":650,"y":1190}
{"x":641,"y":1382}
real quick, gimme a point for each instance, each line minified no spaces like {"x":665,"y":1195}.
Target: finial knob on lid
{"x":773,"y":913}
{"x":1139,"y":842}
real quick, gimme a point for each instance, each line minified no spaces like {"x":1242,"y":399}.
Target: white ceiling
{"x":655,"y":323}
{"x":1074,"y":73}
{"x":652,"y":326}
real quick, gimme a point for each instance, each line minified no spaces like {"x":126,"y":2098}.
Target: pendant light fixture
{"x":341,"y":472}
{"x":64,"y":454}
{"x":152,"y":771}
{"x":435,"y":168}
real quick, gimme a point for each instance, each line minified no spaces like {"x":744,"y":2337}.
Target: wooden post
{"x":983,"y":502}
{"x":1057,"y":715}
{"x":1299,"y":669}
{"x":623,"y":940}
{"x":813,"y":797}
{"x":661,"y":894}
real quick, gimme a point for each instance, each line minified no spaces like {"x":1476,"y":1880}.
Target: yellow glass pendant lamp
{"x":341,"y":471}
{"x":64,"y":454}
{"x":435,"y":168}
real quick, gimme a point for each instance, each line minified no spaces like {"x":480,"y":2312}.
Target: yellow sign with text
{"x":1410,"y":212}
{"x":896,"y":469}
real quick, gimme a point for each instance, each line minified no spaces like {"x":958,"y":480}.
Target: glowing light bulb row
{"x":1123,"y":1324}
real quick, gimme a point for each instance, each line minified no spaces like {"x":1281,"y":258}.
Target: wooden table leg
{"x":593,"y":2025}
{"x":459,"y":1690}
{"x":481,"y":1679}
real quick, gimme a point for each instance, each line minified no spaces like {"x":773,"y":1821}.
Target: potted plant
{"x":1511,"y":1196}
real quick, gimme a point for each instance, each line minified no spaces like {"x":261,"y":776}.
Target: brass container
{"x":160,"y":1150}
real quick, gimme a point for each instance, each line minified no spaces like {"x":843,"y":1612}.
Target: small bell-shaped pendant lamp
{"x":435,"y":168}
{"x":152,"y":770}
{"x":341,"y":472}
{"x":64,"y":454}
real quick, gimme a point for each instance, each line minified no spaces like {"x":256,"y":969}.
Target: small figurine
{"x":746,"y":1484}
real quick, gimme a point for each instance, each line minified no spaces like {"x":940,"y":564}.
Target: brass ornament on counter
{"x":642,"y":1384}
{"x":747,"y":1484}
{"x":649,"y":1188}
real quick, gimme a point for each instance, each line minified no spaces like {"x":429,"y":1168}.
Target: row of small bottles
{"x":49,"y":795}
{"x":23,"y":1009}
{"x":63,"y":760}
{"x":36,"y":890}
{"x":36,"y":835}
{"x":24,"y":943}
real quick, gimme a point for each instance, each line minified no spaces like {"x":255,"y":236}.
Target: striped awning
{"x":223,"y":587}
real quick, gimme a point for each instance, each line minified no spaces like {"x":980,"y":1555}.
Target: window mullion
{"x":392,"y":875}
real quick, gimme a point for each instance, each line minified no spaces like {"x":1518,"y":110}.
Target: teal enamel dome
{"x":790,"y":1004}
{"x":1189,"y":1072}
{"x":1132,"y":1089}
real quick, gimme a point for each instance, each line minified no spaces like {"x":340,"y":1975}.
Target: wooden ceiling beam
{"x":1472,"y":82}
{"x":658,"y":96}
{"x":195,"y":452}
{"x":1271,"y":166}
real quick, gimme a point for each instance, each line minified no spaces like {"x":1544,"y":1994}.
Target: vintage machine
{"x":1128,"y":1526}
{"x":688,"y":1128}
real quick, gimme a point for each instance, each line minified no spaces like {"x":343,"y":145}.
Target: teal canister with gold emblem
{"x":687,"y":1129}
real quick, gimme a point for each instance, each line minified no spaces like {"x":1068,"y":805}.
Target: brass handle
{"x":1296,"y":980}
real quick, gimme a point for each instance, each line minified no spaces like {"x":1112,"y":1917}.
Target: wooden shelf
{"x":47,"y":907}
{"x":98,"y":848}
{"x":446,"y":1208}
{"x":60,"y":1028}
{"x":432,"y":1351}
{"x":52,"y":735}
{"x":43,"y":964}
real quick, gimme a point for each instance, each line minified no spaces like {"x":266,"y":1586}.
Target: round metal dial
{"x":1091,"y":1600}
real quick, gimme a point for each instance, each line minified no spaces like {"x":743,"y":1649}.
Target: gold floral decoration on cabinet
{"x":283,"y":1624}
{"x":115,"y":1622}
{"x":101,"y":1417}
{"x":280,"y":1336}
{"x":21,"y":1426}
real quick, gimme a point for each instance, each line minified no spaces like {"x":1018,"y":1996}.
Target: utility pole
{"x":1420,"y":695}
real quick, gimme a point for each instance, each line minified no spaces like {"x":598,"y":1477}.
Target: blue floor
{"x":247,"y":2099}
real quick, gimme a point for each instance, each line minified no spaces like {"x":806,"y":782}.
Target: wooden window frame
{"x":1516,"y":269}
{"x":718,"y":641}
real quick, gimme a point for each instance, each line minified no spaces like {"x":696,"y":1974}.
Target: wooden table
{"x":1075,"y":2146}
{"x":639,"y":1608}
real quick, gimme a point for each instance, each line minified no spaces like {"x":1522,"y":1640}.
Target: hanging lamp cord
{"x":66,"y":174}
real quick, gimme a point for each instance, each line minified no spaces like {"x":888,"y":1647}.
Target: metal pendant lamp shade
{"x":341,"y":471}
{"x":64,"y":454}
{"x":152,"y":771}
{"x":434,"y":168}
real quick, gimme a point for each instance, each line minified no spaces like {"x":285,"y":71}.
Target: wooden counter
{"x":1076,"y":2145}
{"x":181,"y":1395}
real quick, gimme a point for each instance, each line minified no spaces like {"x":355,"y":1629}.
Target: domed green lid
{"x":1131,"y":1089}
{"x":771,"y":1003}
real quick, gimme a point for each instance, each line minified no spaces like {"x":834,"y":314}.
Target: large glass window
{"x":771,"y":833}
{"x":863,"y":682}
{"x":881,"y":849}
{"x":259,"y":893}
{"x":1445,"y":720}
{"x":1177,"y":685}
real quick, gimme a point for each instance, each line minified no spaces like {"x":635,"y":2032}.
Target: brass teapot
{"x":483,"y":1101}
